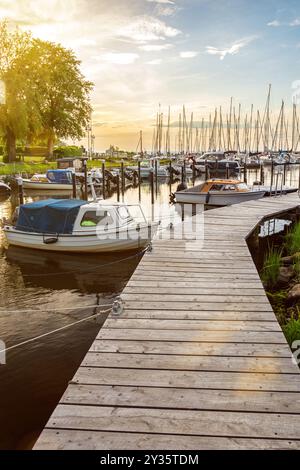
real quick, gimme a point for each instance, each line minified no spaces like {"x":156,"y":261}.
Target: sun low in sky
{"x":140,"y":53}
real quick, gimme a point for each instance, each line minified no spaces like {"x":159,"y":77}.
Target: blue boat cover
{"x":60,"y":176}
{"x":50,"y":216}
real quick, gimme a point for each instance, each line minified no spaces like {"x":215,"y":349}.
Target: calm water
{"x":41,"y":292}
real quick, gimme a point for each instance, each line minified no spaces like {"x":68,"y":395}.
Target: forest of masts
{"x":253,"y":133}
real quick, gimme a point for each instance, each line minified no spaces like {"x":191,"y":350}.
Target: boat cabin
{"x":223,"y":185}
{"x":70,"y":163}
{"x":70,"y":216}
{"x":59,"y":176}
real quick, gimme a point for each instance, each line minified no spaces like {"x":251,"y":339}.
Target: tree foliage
{"x":46,"y":94}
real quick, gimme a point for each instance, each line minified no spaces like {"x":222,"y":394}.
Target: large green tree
{"x":63,"y":92}
{"x":18,"y":114}
{"x":46,"y":94}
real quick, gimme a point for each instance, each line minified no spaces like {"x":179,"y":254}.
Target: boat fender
{"x":150,"y":248}
{"x":49,"y":240}
{"x":207,"y":198}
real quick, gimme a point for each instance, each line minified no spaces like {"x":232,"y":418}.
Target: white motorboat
{"x":219,"y":192}
{"x":218,"y":162}
{"x":148,"y":167}
{"x":71,"y":225}
{"x":52,"y":180}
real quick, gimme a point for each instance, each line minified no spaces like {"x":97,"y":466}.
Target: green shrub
{"x":271,"y":267}
{"x":278,"y":301}
{"x":67,"y":151}
{"x":292,"y":239}
{"x":292,"y":330}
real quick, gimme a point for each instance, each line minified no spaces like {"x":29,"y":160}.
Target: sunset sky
{"x":140,"y":53}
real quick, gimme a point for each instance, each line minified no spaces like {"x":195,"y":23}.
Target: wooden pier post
{"x":118,"y":187}
{"x":194,"y":171}
{"x":152,"y":187}
{"x":139,"y":179}
{"x":227,"y":171}
{"x":245,"y":171}
{"x":284,"y":172}
{"x":74,"y":189}
{"x":103,"y":180}
{"x":262,"y":175}
{"x":156,"y":172}
{"x":85,"y":180}
{"x":20,"y":191}
{"x":272,"y":173}
{"x":170,"y":177}
{"x":122,"y":178}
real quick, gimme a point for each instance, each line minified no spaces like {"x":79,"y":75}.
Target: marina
{"x":71,"y":281}
{"x":149,"y":231}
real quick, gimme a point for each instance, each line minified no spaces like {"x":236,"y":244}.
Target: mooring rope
{"x":53,"y":309}
{"x":23,"y":343}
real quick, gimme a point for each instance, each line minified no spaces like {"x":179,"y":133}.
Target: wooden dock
{"x":197,"y":359}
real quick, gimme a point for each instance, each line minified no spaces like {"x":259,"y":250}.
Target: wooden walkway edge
{"x":197,"y":360}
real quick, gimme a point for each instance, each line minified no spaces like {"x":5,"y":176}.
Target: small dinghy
{"x":218,"y":192}
{"x":71,"y":225}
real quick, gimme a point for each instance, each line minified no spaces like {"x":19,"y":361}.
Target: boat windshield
{"x":94,"y":218}
{"x":242,"y":187}
{"x":223,"y":187}
{"x":131,"y":213}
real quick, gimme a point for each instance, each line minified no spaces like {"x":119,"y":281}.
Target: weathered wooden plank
{"x":61,"y":439}
{"x":193,"y":348}
{"x":211,"y":315}
{"x":227,"y":400}
{"x":204,"y":273}
{"x":166,"y":297}
{"x":203,"y":325}
{"x":265,"y":425}
{"x":197,"y":306}
{"x":188,"y":379}
{"x":274,"y":337}
{"x":194,"y":291}
{"x":161,"y":281}
{"x":218,"y":263}
{"x":184,"y":273}
{"x":200,"y":363}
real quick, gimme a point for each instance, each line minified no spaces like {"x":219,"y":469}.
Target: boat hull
{"x":215,"y":198}
{"x":130,"y":239}
{"x":27,"y":184}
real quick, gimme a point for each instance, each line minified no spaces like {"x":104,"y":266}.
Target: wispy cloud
{"x":147,"y":28}
{"x":155,"y":47}
{"x":161,"y":1}
{"x":295,"y":22}
{"x":274,"y":23}
{"x":232,"y":50}
{"x":188,"y":54}
{"x":119,"y":58}
{"x":166,"y":10}
{"x":154,"y":62}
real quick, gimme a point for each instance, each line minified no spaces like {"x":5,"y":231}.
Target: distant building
{"x":115,"y":152}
